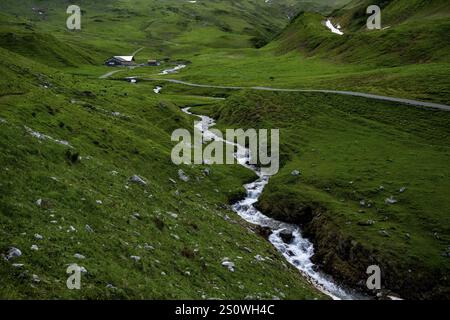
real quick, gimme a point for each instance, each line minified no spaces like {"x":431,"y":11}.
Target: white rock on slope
{"x":13,"y":253}
{"x":183,"y":176}
{"x":79,"y":256}
{"x":138,"y":180}
{"x":227,"y":263}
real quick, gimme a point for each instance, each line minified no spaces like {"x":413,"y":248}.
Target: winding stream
{"x":299,"y":250}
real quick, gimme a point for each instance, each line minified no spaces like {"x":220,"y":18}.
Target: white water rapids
{"x":300,"y":250}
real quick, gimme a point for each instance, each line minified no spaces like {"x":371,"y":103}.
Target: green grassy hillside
{"x":70,"y":142}
{"x":87,"y":205}
{"x":409,"y":59}
{"x":415,"y":40}
{"x":353,"y":15}
{"x":165,"y":26}
{"x":354,"y":154}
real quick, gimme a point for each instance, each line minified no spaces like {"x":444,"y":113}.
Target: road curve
{"x":348,"y":93}
{"x":109,"y":74}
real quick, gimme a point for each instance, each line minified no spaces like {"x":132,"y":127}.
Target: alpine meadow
{"x":116,"y":117}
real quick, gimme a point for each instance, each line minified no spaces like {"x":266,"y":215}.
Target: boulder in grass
{"x":138,"y":180}
{"x":41,"y":203}
{"x":13,"y":253}
{"x":111,"y":287}
{"x":367,"y":223}
{"x":135,"y":258}
{"x":227,"y":263}
{"x":391,"y":200}
{"x":79,"y":256}
{"x":384,"y":233}
{"x":295,"y":173}
{"x":183,"y":176}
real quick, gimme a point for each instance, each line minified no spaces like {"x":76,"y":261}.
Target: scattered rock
{"x":79,"y":256}
{"x":173,"y":215}
{"x":227,"y":263}
{"x":384,"y":233}
{"x":148,"y":247}
{"x":138,"y":180}
{"x":390,"y":200}
{"x":88,"y":228}
{"x":34,"y":247}
{"x":403,"y":189}
{"x":36,"y":278}
{"x":247,"y":249}
{"x":295,"y":173}
{"x":206,"y":171}
{"x":42,"y":203}
{"x":183,"y":176}
{"x":259,"y":258}
{"x":135,"y":258}
{"x":137,"y":216}
{"x":18,"y":265}
{"x":37,"y":236}
{"x":111,"y":287}
{"x":99,"y":202}
{"x":362,"y":203}
{"x":366,"y":223}
{"x":175,"y":236}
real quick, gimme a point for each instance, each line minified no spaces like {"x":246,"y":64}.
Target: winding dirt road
{"x":348,"y":93}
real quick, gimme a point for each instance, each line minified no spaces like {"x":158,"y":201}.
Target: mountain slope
{"x":160,"y":24}
{"x":353,"y":15}
{"x":75,"y":202}
{"x":419,"y":38}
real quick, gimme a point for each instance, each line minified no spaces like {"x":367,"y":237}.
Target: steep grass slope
{"x":413,"y":34}
{"x":68,"y":148}
{"x":353,"y":15}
